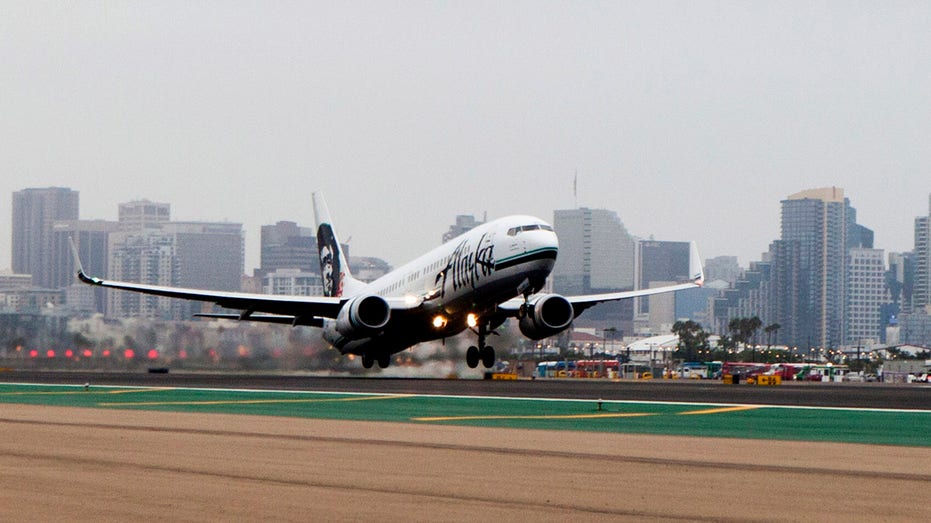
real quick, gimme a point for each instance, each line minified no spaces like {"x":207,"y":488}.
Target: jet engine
{"x":363,"y":316}
{"x":545,"y":316}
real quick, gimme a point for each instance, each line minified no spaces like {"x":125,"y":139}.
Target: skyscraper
{"x":34,"y":213}
{"x":595,"y":252}
{"x":921,"y":294}
{"x":810,"y":278}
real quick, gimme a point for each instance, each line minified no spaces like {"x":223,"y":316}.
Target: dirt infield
{"x":115,"y":465}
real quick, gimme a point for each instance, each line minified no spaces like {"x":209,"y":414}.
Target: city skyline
{"x":692,"y":121}
{"x":253,"y":246}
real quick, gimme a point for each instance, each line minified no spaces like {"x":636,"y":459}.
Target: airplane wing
{"x":300,"y":310}
{"x":580,"y":303}
{"x":293,"y":306}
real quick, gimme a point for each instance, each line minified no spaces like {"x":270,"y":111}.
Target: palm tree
{"x":771,"y":331}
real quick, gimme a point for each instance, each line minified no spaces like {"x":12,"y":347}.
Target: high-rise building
{"x":809,"y":274}
{"x":723,"y":268}
{"x":34,"y":213}
{"x":660,"y":263}
{"x":596,"y":253}
{"x":91,"y":237}
{"x":921,"y":294}
{"x":143,"y":257}
{"x":285,"y":245}
{"x":866,"y":295}
{"x":203,"y":255}
{"x":140,"y":215}
{"x":900,"y":282}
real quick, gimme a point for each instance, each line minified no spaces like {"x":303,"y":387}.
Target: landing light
{"x":439,"y":321}
{"x":471,"y":320}
{"x":410,"y":299}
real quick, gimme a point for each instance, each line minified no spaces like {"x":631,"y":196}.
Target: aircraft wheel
{"x":488,"y":357}
{"x":472,"y":357}
{"x":384,"y":359}
{"x":367,"y":361}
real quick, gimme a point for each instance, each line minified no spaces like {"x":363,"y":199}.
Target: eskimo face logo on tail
{"x":330,"y":268}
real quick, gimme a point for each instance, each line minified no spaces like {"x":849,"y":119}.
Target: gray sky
{"x":691,"y":119}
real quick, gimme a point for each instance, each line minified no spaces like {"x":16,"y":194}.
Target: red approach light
{"x":87,"y":353}
{"x":129,"y":354}
{"x":69,"y":353}
{"x":106,"y":353}
{"x":152,"y":354}
{"x":50,"y":353}
{"x":33,"y":353}
{"x":182,"y":354}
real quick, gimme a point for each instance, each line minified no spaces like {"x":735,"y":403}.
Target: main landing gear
{"x":483,"y":353}
{"x":383,"y":359}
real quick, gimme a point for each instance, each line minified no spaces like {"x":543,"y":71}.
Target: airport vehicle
{"x":476,"y":281}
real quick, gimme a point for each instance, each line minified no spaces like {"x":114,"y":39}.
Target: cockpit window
{"x":514,"y":231}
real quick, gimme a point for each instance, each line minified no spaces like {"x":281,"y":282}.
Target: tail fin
{"x":334,"y":266}
{"x":696,"y":272}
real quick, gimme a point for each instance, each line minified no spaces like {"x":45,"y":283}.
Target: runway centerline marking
{"x":246,"y":402}
{"x":718,"y":411}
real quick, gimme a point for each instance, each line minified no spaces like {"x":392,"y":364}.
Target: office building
{"x":92,"y":239}
{"x":596,"y":253}
{"x":866,"y":295}
{"x":809,"y":274}
{"x":285,"y":245}
{"x":202,"y":255}
{"x":921,"y":294}
{"x":34,"y":213}
{"x":141,"y":215}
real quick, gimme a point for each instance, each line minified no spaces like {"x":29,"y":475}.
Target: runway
{"x":105,"y":463}
{"x":866,"y":395}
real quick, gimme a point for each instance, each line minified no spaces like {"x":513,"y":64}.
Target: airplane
{"x":475,"y":281}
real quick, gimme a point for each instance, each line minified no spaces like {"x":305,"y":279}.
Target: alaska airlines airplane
{"x":476,"y":281}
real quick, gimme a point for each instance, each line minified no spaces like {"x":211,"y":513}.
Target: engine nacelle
{"x":545,"y":316}
{"x":363,"y":316}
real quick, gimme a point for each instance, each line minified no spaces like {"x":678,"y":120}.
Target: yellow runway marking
{"x":719,"y":411}
{"x":562,"y":416}
{"x":246,"y":402}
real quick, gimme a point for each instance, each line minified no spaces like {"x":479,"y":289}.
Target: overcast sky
{"x":691,"y":119}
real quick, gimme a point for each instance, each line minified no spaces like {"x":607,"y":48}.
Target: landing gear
{"x":383,"y":359}
{"x":483,"y":353}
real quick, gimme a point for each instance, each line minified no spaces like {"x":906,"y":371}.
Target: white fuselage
{"x":470,"y":274}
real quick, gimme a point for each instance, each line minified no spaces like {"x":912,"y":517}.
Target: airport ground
{"x":62,"y":462}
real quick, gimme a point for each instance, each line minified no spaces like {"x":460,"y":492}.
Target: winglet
{"x":77,"y":262}
{"x":696,"y":272}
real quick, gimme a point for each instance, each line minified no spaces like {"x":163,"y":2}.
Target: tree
{"x":743,"y":330}
{"x":771,"y":331}
{"x":692,"y":339}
